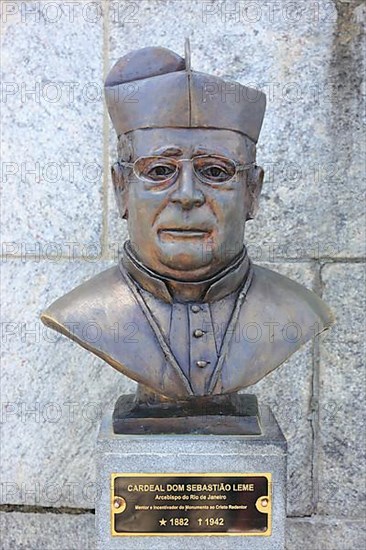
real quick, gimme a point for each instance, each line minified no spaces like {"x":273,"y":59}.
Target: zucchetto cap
{"x":156,"y":88}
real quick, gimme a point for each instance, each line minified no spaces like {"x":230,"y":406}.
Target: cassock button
{"x":195,"y":309}
{"x":202,"y":364}
{"x":198,"y":333}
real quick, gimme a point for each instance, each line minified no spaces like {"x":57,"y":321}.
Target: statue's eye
{"x":154,"y":169}
{"x":215,"y":170}
{"x":215,"y":173}
{"x":160,"y":172}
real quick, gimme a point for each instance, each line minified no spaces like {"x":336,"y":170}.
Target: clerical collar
{"x":215,"y":288}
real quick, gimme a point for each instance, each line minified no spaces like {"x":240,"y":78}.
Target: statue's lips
{"x":174,"y":233}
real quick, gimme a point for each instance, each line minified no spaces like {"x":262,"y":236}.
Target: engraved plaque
{"x":191,"y":504}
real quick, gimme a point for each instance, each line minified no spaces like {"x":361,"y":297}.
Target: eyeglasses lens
{"x":209,"y":169}
{"x":214,"y":169}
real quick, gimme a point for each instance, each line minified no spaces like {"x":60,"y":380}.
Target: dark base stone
{"x":231,"y":414}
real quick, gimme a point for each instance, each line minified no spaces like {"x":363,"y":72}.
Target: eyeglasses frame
{"x":238,"y":167}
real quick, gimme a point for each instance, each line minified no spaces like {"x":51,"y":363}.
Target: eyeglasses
{"x":210,"y":169}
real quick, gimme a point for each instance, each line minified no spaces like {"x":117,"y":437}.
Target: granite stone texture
{"x":52,"y":127}
{"x":30,"y":531}
{"x":342,"y":395}
{"x":307,"y":57}
{"x":325,"y":534}
{"x":46,"y":531}
{"x":60,"y":226}
{"x":53,"y":392}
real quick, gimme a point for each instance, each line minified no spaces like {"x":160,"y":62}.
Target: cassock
{"x":247,"y":321}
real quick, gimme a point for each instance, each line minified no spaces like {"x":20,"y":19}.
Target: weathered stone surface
{"x":53,"y":392}
{"x":27,"y":531}
{"x":324,"y":534}
{"x":342,"y":394}
{"x":52,"y":123}
{"x":308,"y":59}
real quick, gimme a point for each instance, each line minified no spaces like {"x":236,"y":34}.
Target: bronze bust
{"x":209,"y":322}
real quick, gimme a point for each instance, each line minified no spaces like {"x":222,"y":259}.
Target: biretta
{"x":155,"y":88}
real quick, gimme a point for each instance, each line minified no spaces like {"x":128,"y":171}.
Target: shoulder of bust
{"x":103,"y":316}
{"x":278,"y":316}
{"x":278,"y":295}
{"x":92,"y":301}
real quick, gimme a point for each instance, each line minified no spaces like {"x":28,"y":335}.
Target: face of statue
{"x":187,"y":227}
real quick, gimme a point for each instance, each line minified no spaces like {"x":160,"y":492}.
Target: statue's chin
{"x":189,"y":261}
{"x":185,"y":267}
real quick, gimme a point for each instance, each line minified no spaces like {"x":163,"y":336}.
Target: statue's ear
{"x":255,"y":183}
{"x":120,"y":189}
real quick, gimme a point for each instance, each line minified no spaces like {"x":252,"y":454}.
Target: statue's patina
{"x":185,"y":313}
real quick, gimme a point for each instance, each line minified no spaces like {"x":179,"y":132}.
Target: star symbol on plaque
{"x":163,"y":521}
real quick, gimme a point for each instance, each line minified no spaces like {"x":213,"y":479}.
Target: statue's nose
{"x":186,"y":192}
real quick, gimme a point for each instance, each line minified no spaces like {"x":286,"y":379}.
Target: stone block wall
{"x":60,"y":226}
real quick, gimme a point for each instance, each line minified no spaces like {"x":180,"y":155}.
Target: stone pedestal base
{"x":210,"y":454}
